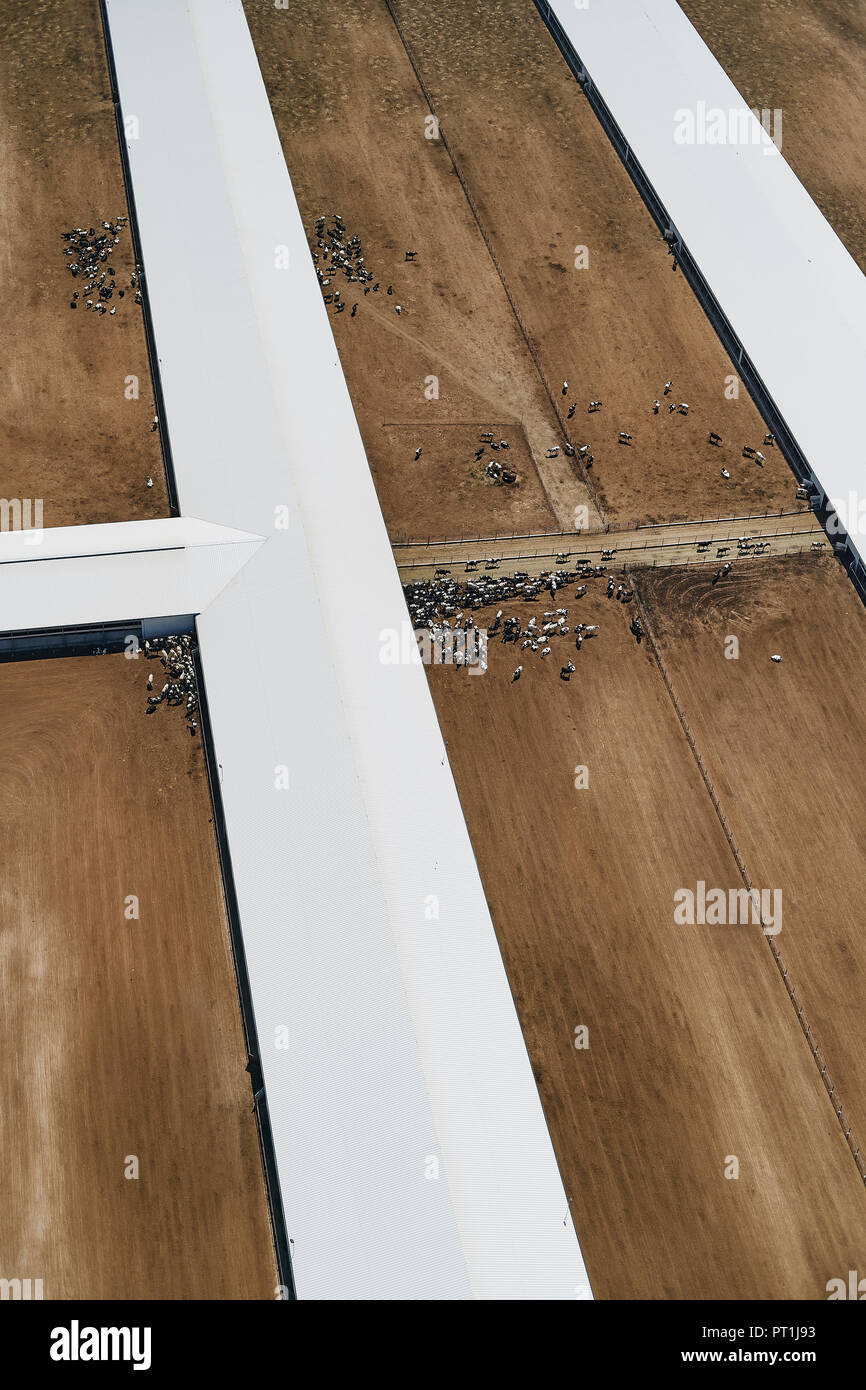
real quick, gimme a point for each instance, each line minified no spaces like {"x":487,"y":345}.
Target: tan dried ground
{"x":118,"y":1037}
{"x":694,"y":1051}
{"x":494,"y":306}
{"x":351,"y":118}
{"x":68,"y":435}
{"x":622,"y":327}
{"x":784,"y":744}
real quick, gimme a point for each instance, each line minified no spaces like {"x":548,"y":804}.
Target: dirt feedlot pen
{"x":77,"y":415}
{"x":133,"y":1168}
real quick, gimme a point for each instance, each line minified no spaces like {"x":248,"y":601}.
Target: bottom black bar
{"x":58,"y":1340}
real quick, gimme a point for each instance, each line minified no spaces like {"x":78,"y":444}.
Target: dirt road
{"x":679,"y":544}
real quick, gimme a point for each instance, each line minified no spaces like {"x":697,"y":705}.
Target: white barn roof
{"x":404,"y":1043}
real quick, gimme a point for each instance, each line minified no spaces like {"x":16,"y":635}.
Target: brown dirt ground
{"x":806,"y":57}
{"x":67,"y":433}
{"x":619,"y":329}
{"x":616,"y":332}
{"x":784,"y":747}
{"x":118,"y":1037}
{"x":351,"y":119}
{"x":471,"y":493}
{"x":695,"y":1051}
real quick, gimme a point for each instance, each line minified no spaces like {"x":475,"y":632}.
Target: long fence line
{"x":683,"y":561}
{"x":713,"y":520}
{"x":630,"y":549}
{"x":814,"y":1047}
{"x":527,"y":336}
{"x":612,"y":527}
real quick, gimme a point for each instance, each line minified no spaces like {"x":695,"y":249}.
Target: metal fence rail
{"x":87,"y":639}
{"x":613,"y":528}
{"x":618,"y":553}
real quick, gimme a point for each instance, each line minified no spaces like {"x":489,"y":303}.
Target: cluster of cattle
{"x":495,"y":469}
{"x":88,"y":252}
{"x":429,"y":600}
{"x":749,"y":452}
{"x":336,"y":253}
{"x":175,"y":653}
{"x":461,"y":644}
{"x":747,"y":546}
{"x":538,"y":637}
{"x":680,"y":407}
{"x":435,"y":604}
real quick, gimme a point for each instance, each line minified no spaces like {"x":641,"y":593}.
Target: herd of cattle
{"x":90,"y":254}
{"x":336,"y":253}
{"x":440,"y":610}
{"x":497,"y":471}
{"x":175,"y":654}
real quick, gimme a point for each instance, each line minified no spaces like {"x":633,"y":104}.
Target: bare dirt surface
{"x":68,"y":435}
{"x":806,"y":58}
{"x":694,"y":1050}
{"x":620,"y":328}
{"x":616,"y":331}
{"x":118,"y":1037}
{"x":783,"y":744}
{"x":695,"y":1054}
{"x":449,"y":451}
{"x":351,"y":119}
